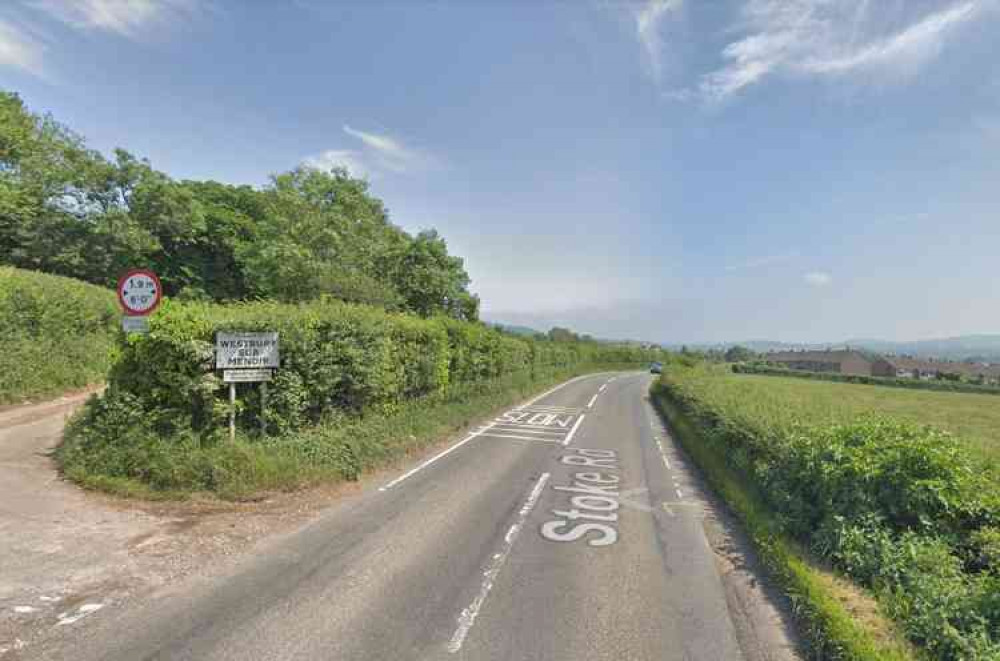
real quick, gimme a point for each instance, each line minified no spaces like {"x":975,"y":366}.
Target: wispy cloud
{"x":128,"y":18}
{"x":20,"y":50}
{"x":379,"y":153}
{"x":649,"y":19}
{"x":820,"y":38}
{"x":759,"y":262}
{"x":812,"y":39}
{"x":817,"y":278}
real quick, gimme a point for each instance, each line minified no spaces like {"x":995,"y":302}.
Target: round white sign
{"x":139,"y":292}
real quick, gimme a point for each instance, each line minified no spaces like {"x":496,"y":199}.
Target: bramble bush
{"x":903,"y":509}
{"x":55,"y":334}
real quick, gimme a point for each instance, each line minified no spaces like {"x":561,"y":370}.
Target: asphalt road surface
{"x":559,"y":530}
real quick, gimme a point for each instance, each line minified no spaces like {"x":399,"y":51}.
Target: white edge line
{"x":468,"y":616}
{"x":572,"y":432}
{"x":434,"y":458}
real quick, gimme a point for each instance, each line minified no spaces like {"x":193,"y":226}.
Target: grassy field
{"x":975,"y":418}
{"x":896,"y":489}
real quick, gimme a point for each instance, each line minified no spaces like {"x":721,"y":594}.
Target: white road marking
{"x":82,"y":612}
{"x":551,"y":390}
{"x":474,"y":435}
{"x":602,"y":388}
{"x":679,"y":494}
{"x":24,"y":609}
{"x":663,"y":454}
{"x":572,"y":432}
{"x":550,"y":409}
{"x":524,"y":438}
{"x":468,"y":616}
{"x":524,"y":430}
{"x":434,"y":458}
{"x":593,"y":399}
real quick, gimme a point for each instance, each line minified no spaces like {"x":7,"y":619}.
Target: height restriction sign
{"x":139,"y":292}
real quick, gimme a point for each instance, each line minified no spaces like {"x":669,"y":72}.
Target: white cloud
{"x":378,"y":154}
{"x":350,"y":159}
{"x":389,"y":153}
{"x":649,"y":19}
{"x":20,"y":50}
{"x":129,"y":18}
{"x":824,"y":38}
{"x":817,"y":278}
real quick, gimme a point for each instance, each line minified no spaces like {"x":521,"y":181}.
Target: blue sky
{"x":675,"y":170}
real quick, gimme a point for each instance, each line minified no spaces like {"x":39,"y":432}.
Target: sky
{"x":671,"y":170}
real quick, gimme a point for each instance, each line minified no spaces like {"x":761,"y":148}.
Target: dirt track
{"x":68,"y":555}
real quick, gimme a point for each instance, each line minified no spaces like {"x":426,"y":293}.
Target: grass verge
{"x":838,"y":621}
{"x":111,"y":451}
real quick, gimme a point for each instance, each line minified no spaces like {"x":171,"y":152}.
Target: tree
{"x":557,"y":334}
{"x":739,"y":354}
{"x":308,"y":234}
{"x":433,"y":282}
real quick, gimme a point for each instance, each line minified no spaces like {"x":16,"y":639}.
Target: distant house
{"x":840,"y":361}
{"x":912,"y":368}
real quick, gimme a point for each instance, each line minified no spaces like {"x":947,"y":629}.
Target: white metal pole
{"x":232,"y":412}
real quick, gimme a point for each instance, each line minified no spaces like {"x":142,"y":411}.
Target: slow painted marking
{"x":593,"y":399}
{"x":572,"y":432}
{"x":524,"y":430}
{"x":525,"y":438}
{"x":468,"y":616}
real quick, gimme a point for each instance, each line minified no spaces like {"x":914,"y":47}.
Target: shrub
{"x":56,"y":333}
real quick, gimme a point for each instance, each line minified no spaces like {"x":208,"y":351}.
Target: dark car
{"x":656,"y":368}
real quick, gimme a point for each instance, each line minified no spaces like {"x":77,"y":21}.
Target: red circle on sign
{"x":121,"y":292}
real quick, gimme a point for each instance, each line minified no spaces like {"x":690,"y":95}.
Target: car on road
{"x":656,"y":368}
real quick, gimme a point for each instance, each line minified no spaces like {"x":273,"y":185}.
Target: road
{"x":566,"y":528}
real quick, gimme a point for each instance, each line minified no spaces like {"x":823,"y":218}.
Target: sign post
{"x":139,"y":294}
{"x":246,"y":358}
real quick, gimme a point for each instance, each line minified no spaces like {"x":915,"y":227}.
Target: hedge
{"x":335,"y":358}
{"x":904,"y":510}
{"x":914,"y":384}
{"x":56,"y":334}
{"x":342,"y":365}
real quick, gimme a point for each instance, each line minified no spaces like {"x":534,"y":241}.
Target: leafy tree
{"x":558,"y":334}
{"x":433,"y":282}
{"x":738,"y":354}
{"x":310,"y":233}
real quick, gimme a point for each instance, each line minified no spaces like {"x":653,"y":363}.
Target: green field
{"x":975,"y":418}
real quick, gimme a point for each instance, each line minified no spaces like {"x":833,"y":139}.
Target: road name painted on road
{"x":595,"y":501}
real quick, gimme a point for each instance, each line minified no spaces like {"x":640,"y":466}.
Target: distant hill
{"x":978,"y":348}
{"x":517,"y":330}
